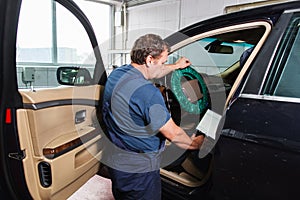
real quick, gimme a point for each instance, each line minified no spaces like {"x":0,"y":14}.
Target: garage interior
{"x":130,"y":19}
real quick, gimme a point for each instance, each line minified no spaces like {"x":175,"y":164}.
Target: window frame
{"x":245,"y":25}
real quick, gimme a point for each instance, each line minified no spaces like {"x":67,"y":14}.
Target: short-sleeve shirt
{"x":134,"y":111}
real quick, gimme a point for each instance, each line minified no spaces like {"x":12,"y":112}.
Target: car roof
{"x":268,"y":13}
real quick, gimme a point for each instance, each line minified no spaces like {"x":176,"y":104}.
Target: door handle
{"x":80,"y":116}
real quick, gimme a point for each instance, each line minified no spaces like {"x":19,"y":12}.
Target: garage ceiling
{"x":129,"y":3}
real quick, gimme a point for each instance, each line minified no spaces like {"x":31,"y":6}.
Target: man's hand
{"x":197,"y":140}
{"x":182,"y":63}
{"x":179,"y":137}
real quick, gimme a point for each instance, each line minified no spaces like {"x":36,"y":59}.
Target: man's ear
{"x":149,"y":59}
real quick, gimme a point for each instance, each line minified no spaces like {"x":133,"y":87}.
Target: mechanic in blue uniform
{"x":138,"y":122}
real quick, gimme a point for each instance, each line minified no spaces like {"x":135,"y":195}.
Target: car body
{"x":257,"y":153}
{"x":51,"y":135}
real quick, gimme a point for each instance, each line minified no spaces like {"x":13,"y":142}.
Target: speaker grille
{"x":45,"y":174}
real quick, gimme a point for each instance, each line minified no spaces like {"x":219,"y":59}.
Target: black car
{"x":241,"y":91}
{"x":255,"y":53}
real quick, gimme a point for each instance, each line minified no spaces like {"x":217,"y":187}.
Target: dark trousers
{"x":135,"y":186}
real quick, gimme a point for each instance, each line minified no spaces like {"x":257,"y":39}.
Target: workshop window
{"x":51,"y":36}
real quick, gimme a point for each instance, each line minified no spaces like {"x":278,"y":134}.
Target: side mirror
{"x":73,"y":76}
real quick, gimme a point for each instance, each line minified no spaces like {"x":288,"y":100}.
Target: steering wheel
{"x":177,"y":79}
{"x":182,"y":80}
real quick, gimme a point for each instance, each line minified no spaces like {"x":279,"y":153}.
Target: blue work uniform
{"x":133,"y":112}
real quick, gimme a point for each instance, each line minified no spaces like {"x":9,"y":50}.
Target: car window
{"x":49,"y":37}
{"x":223,"y":54}
{"x":207,"y":58}
{"x":284,"y":78}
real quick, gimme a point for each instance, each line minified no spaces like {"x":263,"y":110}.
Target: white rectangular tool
{"x":209,"y":123}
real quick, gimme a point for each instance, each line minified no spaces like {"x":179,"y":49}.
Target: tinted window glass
{"x":284,"y":77}
{"x":289,"y":82}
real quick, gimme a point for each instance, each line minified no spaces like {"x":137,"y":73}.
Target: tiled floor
{"x":97,"y":188}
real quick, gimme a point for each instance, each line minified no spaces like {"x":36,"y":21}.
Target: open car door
{"x":51,"y":86}
{"x":199,"y":95}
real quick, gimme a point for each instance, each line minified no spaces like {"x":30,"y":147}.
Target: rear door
{"x":50,"y":135}
{"x":261,"y":133}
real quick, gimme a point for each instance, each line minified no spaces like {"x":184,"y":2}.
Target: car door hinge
{"x":17,"y":155}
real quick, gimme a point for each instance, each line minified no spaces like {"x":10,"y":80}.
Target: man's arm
{"x":179,"y":137}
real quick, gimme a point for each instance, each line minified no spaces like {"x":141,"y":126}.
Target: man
{"x":138,"y":122}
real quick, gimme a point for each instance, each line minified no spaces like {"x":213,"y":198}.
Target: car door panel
{"x":247,"y":170}
{"x":49,"y":134}
{"x":257,"y":111}
{"x":259,"y":134}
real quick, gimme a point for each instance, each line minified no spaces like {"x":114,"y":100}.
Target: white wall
{"x":167,"y":16}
